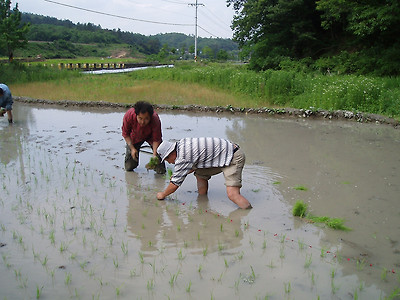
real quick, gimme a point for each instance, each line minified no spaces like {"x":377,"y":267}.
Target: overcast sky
{"x":146,"y":17}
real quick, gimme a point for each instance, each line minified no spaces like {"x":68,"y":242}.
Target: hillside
{"x":54,"y":38}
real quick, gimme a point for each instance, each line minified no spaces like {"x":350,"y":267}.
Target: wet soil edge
{"x":281,"y":112}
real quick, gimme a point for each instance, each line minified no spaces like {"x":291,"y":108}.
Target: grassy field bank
{"x":217,"y":84}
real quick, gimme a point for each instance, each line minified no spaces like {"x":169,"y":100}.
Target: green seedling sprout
{"x":38,"y":291}
{"x":205,"y":251}
{"x":300,"y":210}
{"x":150,"y":284}
{"x":287,"y":288}
{"x":124,"y":248}
{"x":300,"y":188}
{"x":189,"y":287}
{"x":308,"y":261}
{"x":68,"y":278}
{"x":153,"y":163}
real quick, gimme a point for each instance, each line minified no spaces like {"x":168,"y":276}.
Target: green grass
{"x":214,"y":84}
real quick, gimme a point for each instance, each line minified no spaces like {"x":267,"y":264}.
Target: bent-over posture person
{"x":141,"y":124}
{"x":205,"y":156}
{"x":6,"y":102}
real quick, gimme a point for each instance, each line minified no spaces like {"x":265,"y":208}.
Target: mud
{"x":75,"y":224}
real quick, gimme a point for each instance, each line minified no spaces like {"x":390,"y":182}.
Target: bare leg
{"x":9,"y":114}
{"x":202,"y":186}
{"x":235,"y":196}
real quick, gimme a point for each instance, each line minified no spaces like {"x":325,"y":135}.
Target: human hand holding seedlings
{"x":152,"y":164}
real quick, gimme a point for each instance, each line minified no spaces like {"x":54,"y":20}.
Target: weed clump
{"x":300,"y":210}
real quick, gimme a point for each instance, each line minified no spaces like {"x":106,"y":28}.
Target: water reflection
{"x":191,"y":225}
{"x":351,"y":171}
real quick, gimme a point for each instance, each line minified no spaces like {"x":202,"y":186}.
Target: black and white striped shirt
{"x":198,"y":153}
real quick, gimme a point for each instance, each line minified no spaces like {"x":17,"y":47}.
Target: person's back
{"x":6,"y":102}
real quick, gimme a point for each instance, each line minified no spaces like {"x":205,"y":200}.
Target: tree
{"x":12,"y":32}
{"x":222,"y":55}
{"x":269,"y":30}
{"x":208,"y":52}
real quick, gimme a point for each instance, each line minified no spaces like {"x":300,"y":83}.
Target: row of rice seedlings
{"x":96,"y":217}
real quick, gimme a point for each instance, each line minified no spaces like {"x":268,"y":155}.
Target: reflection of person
{"x":6,"y":102}
{"x":141,"y":124}
{"x":205,"y":157}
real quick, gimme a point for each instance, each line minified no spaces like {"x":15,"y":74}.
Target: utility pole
{"x":196,"y":5}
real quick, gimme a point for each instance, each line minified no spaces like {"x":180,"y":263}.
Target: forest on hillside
{"x":63,"y":35}
{"x":345,"y":37}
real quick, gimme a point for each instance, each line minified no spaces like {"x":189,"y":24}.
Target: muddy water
{"x":75,"y":224}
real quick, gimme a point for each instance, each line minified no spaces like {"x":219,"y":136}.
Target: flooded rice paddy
{"x":74,"y":224}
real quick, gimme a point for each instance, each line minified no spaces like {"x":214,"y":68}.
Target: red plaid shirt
{"x":149,"y":133}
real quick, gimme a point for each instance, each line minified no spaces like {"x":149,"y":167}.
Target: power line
{"x":217,"y":18}
{"x":207,"y":31}
{"x":224,"y":28}
{"x":117,"y":16}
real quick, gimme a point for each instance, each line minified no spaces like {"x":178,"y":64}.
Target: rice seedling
{"x":124,"y":248}
{"x":299,"y":209}
{"x":180,"y":255}
{"x":312,"y":278}
{"x":118,"y":290}
{"x":301,"y":244}
{"x":220,"y":246}
{"x":282,"y":252}
{"x":38,"y":291}
{"x":200,"y":268}
{"x":189,"y":287}
{"x":253,"y":274}
{"x":360,"y":264}
{"x":264,"y":245}
{"x":355,"y":294}
{"x":132,"y":273}
{"x":205,"y":251}
{"x":300,"y":188}
{"x":333,"y":273}
{"x":150,"y":284}
{"x":173,"y":278}
{"x":240,"y":255}
{"x":226,"y":263}
{"x":141,"y":257}
{"x":63,"y":247}
{"x":68,"y":278}
{"x":271,"y":265}
{"x":384,"y":274}
{"x":52,"y":237}
{"x":44,"y":261}
{"x":116,"y":263}
{"x":323,"y":252}
{"x":308,"y":261}
{"x":287,"y":287}
{"x":334,"y":288}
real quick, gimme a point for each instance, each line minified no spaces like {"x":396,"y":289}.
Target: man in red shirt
{"x":141,"y":124}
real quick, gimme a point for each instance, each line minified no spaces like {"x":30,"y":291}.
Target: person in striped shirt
{"x":205,"y":156}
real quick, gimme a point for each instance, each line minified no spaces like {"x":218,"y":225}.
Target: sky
{"x":147,"y":17}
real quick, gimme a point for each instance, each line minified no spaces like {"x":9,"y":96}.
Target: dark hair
{"x":142,"y":107}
